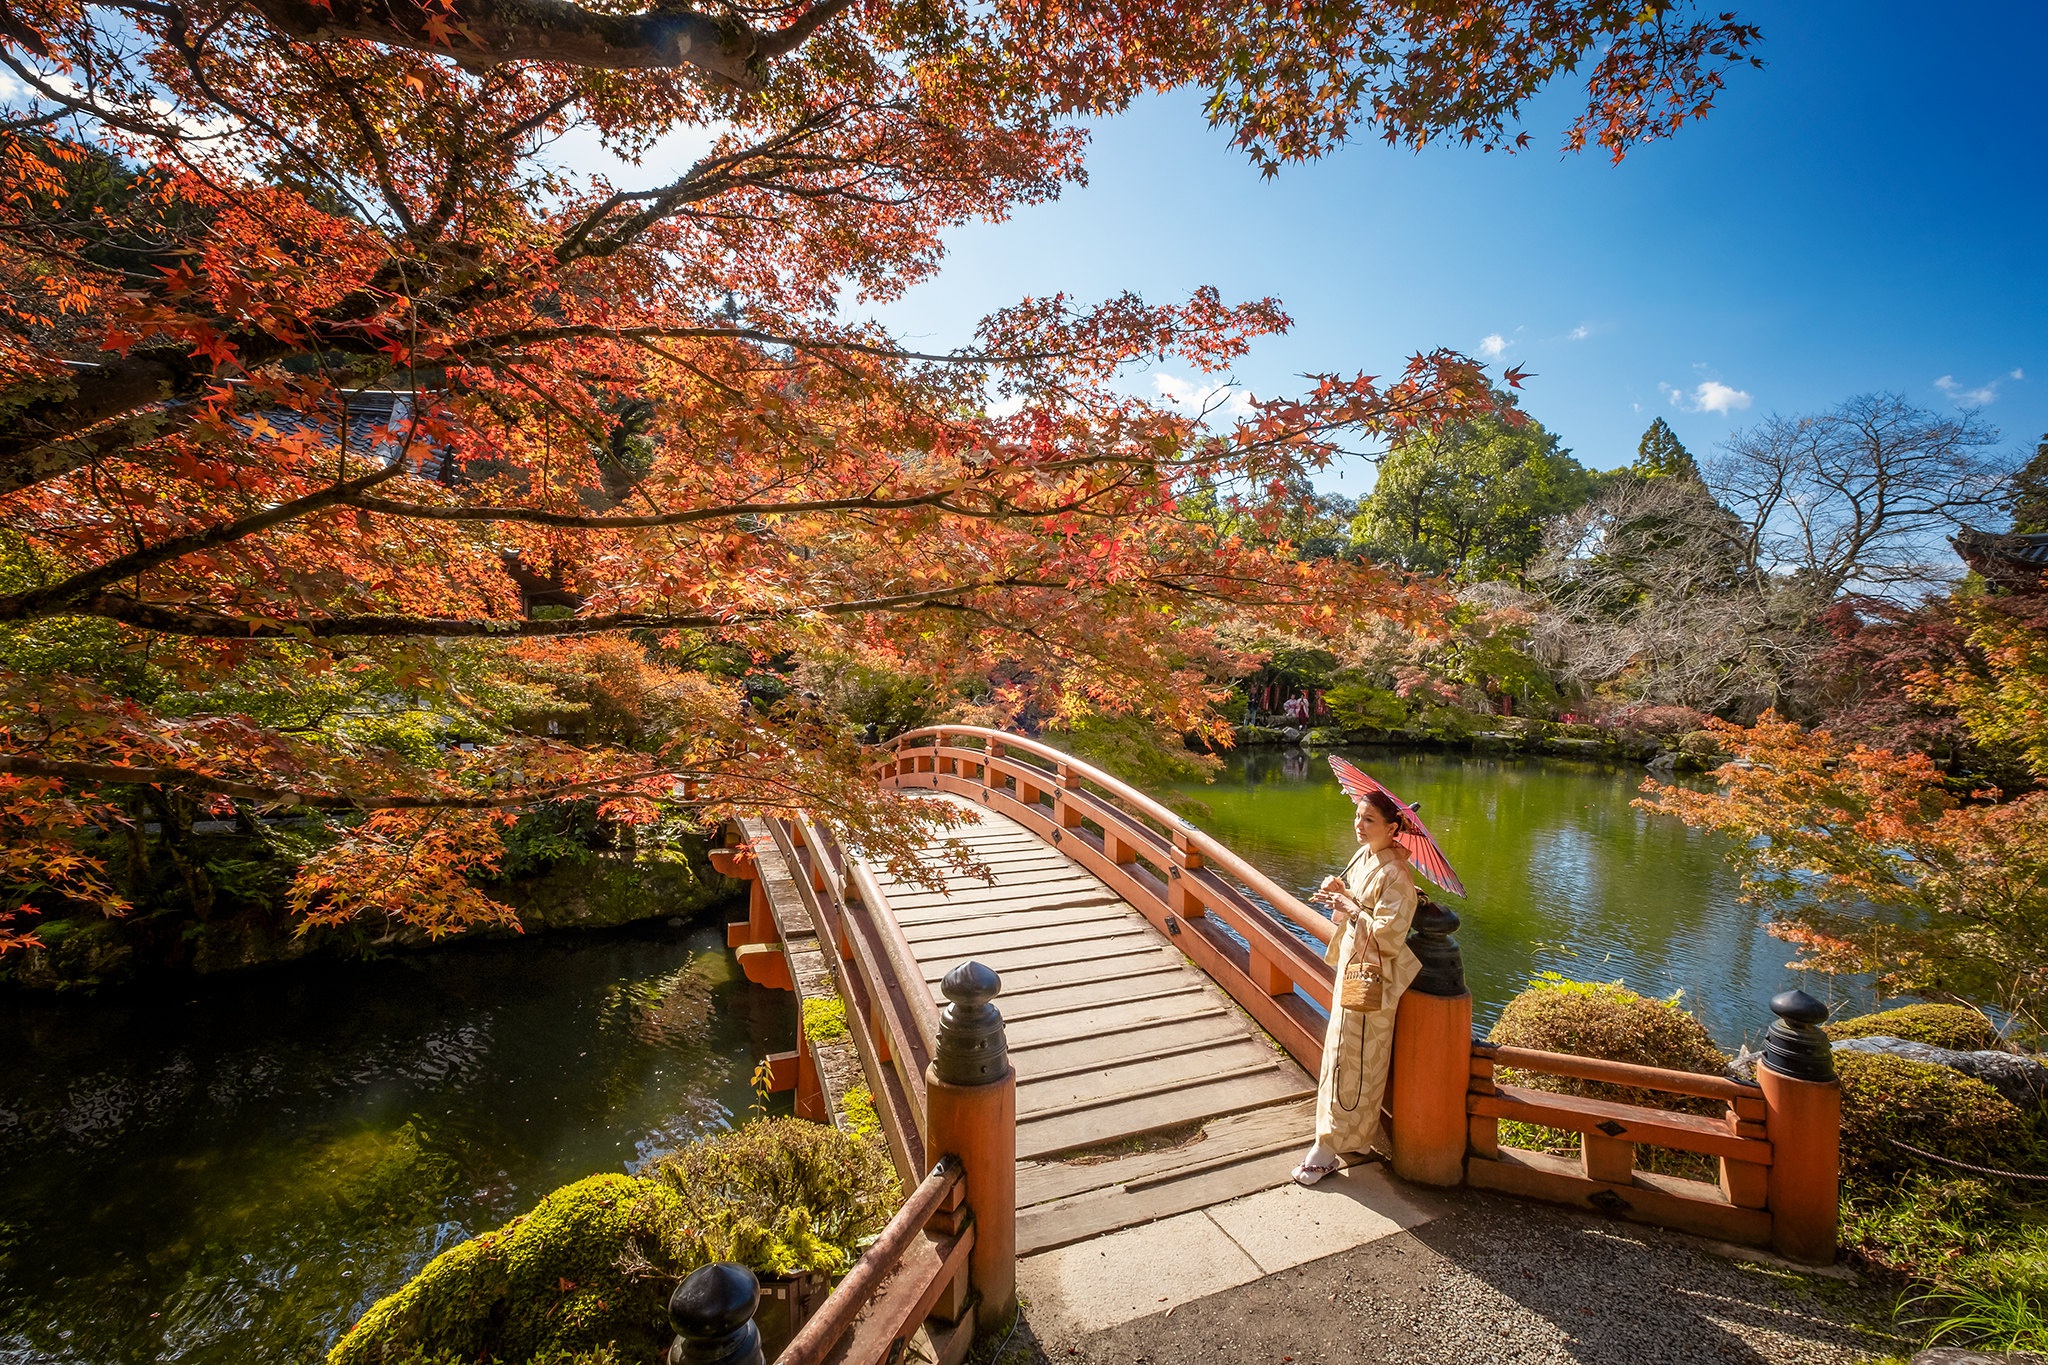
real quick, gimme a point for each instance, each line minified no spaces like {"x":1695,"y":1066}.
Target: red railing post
{"x":971,"y":1104}
{"x":1804,"y":1121}
{"x":1432,"y":1068}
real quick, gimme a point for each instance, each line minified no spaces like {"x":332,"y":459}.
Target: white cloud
{"x":1493,"y":345}
{"x":1580,"y":332}
{"x":1709,"y":395}
{"x":1968,"y":398}
{"x":2019,"y":374}
{"x":1190,"y":396}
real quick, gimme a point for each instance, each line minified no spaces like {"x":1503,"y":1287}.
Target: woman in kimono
{"x":1371,"y":906}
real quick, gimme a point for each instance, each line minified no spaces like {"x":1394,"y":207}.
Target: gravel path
{"x":1498,"y":1281}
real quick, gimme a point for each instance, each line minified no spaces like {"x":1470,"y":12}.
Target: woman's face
{"x":1374,"y":830}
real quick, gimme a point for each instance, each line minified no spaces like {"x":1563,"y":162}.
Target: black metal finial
{"x":1794,"y":1045}
{"x":973,"y":1049}
{"x":1429,"y":938}
{"x":713,"y":1313}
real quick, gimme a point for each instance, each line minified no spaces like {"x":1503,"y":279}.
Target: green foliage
{"x":1129,"y":747}
{"x":1661,"y":455}
{"x":1951,"y":1026}
{"x":782,"y":1194}
{"x":1362,"y":706}
{"x":546,"y":836}
{"x":824,"y":1019}
{"x":1470,"y":501}
{"x":865,"y":693}
{"x":589,"y":1271}
{"x":1931,"y":1107}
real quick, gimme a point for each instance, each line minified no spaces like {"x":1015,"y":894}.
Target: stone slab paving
{"x":1139,"y":1271}
{"x":1473,"y":1280}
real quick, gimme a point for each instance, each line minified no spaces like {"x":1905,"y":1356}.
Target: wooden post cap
{"x":713,"y":1314}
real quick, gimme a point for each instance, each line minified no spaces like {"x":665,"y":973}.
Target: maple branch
{"x":195,"y":779}
{"x":998,"y":508}
{"x":217,"y":626}
{"x":485,"y":32}
{"x":52,"y":600}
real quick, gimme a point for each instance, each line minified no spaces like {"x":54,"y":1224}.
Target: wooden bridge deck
{"x":1116,"y":1038}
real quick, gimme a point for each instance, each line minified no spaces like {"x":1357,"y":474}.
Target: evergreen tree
{"x":2029,"y":505}
{"x":1660,"y":455}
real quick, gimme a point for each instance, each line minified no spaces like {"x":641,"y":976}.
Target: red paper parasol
{"x":1428,"y":858}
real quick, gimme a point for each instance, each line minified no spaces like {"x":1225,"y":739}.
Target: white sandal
{"x":1308,"y":1173}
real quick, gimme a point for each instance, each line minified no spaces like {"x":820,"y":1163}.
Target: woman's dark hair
{"x":1393,"y":811}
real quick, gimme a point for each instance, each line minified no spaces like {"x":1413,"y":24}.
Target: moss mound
{"x":591,"y":1268}
{"x":1609,"y":1021}
{"x":1951,"y":1026}
{"x":547,"y":1282}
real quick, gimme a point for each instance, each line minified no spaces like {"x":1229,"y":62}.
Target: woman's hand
{"x":1334,"y":894}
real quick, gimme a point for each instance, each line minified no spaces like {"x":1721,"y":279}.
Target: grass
{"x":2005,"y":1319}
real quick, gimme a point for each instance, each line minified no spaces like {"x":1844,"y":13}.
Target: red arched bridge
{"x":1153,"y":1050}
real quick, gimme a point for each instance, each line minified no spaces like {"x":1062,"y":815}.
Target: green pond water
{"x":235,"y":1177}
{"x":1564,"y":874}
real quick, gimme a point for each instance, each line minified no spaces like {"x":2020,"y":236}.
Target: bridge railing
{"x":1185,"y":883}
{"x":945,"y":1264}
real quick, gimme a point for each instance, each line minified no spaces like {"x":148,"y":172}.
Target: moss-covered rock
{"x":86,"y":951}
{"x":593,"y":1265}
{"x":1929,"y":1107}
{"x":1957,"y":1027}
{"x":1609,"y":1021}
{"x":621,"y":888}
{"x":1323,"y":737}
{"x":550,"y":1281}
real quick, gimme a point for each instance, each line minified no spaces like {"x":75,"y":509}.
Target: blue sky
{"x":1868,"y":212}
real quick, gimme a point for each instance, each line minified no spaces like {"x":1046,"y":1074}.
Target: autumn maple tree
{"x":344,"y":416}
{"x":1872,"y":864}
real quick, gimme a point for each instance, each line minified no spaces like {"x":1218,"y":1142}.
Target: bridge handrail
{"x":872,"y":980}
{"x":814,"y":1343}
{"x":1282,"y":900}
{"x":1617,"y":1073}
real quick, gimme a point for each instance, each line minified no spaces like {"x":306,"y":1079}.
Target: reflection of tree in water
{"x":669,"y":1010}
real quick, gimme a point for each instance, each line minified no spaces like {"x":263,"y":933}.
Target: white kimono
{"x":1359,"y":1043}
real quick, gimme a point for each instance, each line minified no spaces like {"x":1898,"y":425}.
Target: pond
{"x":235,"y":1177}
{"x":1565,"y":875}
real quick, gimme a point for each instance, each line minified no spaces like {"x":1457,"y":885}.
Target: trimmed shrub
{"x":1931,"y":1107}
{"x":1609,"y":1021}
{"x":1951,"y":1026}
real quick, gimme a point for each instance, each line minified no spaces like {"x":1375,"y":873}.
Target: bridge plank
{"x":1148,"y":1113}
{"x":1114,"y":1032}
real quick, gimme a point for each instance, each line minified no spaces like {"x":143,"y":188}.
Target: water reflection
{"x":1565,"y":874}
{"x":236,"y":1177}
